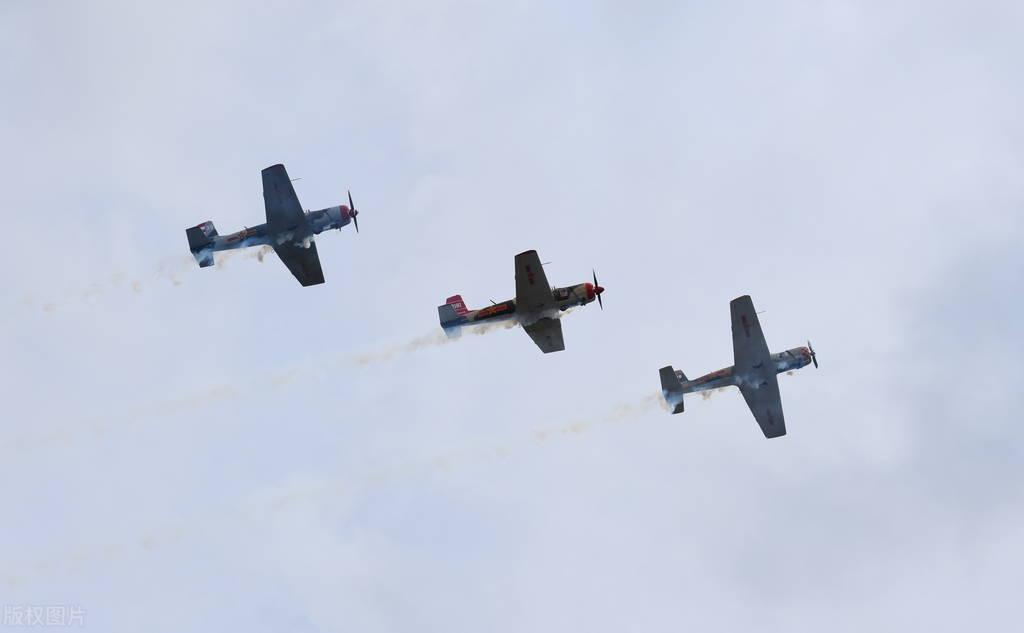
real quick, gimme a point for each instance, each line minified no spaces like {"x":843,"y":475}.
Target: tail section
{"x":672,"y":389}
{"x":451,"y":315}
{"x":200,"y":238}
{"x":456,"y":302}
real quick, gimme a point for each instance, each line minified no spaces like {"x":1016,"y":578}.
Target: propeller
{"x":597,"y":290}
{"x":352,"y":211}
{"x":814,"y":357}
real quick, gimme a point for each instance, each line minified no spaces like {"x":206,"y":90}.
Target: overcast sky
{"x":222,"y":449}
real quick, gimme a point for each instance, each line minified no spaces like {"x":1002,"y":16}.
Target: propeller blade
{"x":814,"y":357}
{"x":600,"y":302}
{"x":595,"y":277}
{"x":353,"y":212}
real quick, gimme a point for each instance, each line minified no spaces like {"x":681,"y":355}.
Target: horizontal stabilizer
{"x":672,"y":389}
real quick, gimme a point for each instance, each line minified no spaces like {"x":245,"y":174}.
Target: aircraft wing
{"x":547,"y":334}
{"x":760,"y":387}
{"x":303,"y":262}
{"x":766,"y":405}
{"x":533,"y":293}
{"x":750,"y":351}
{"x":283,"y":208}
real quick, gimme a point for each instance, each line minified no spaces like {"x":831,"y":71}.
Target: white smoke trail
{"x":707,"y":394}
{"x":452,"y":458}
{"x":167,"y":270}
{"x":262,"y":252}
{"x":223,"y":257}
{"x":102,"y":426}
{"x":152,"y":412}
{"x":430,"y":340}
{"x":435,"y":339}
{"x":260,"y":507}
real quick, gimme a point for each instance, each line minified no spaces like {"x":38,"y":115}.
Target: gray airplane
{"x":289,"y":230}
{"x":754,"y":372}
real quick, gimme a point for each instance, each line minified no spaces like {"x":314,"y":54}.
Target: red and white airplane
{"x":537,"y":306}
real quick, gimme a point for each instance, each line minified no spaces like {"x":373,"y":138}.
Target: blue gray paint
{"x":204,"y":241}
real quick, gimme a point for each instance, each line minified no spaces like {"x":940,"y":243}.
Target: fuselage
{"x":784,"y":361}
{"x":314,"y":223}
{"x":564,"y":298}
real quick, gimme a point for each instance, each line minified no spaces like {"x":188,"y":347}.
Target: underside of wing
{"x":283,"y":208}
{"x":750,"y":351}
{"x":547,"y":334}
{"x":533,"y":293}
{"x":766,"y":404}
{"x":304,"y":263}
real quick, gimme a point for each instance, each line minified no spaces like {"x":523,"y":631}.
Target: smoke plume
{"x":166,"y":271}
{"x":264,"y":505}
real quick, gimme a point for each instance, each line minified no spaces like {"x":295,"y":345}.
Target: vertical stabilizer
{"x":457,"y":304}
{"x":200,"y":239}
{"x":672,"y":389}
{"x":452,"y":315}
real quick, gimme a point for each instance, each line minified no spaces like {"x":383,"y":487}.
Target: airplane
{"x":754,"y":371}
{"x":536,"y":307}
{"x":288,"y":229}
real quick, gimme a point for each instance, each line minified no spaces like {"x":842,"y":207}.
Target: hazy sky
{"x":222,"y":449}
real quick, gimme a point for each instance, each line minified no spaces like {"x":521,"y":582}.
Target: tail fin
{"x":456,"y":302}
{"x":451,"y":315}
{"x":199,"y":238}
{"x":672,"y":389}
